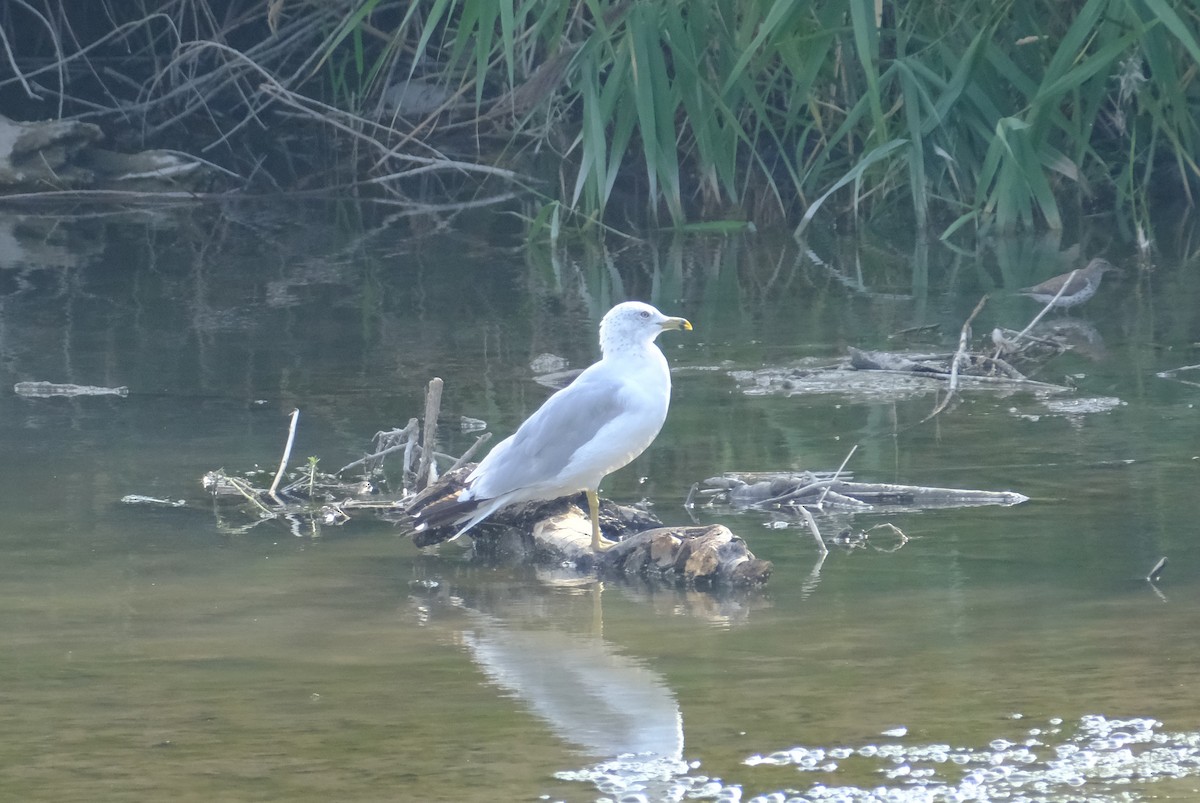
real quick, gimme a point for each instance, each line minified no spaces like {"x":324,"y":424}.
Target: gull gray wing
{"x":544,"y":445}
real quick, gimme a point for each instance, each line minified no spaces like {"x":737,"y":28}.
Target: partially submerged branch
{"x":427,"y":473}
{"x":786,"y":491}
{"x":1049,"y":306}
{"x":287,"y":454}
{"x":960,"y":356}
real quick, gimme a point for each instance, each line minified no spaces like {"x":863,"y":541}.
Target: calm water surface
{"x":155,"y":653}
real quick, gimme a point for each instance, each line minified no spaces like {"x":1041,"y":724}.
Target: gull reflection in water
{"x":607,"y":704}
{"x":533,"y":641}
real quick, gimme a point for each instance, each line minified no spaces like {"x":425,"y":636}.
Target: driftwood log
{"x":557,"y":531}
{"x":829,"y":491}
{"x":699,"y":556}
{"x":64,"y":155}
{"x":42,"y":155}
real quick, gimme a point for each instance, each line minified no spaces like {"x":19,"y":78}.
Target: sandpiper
{"x":1080,"y":287}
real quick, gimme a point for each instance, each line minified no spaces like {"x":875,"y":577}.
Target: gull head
{"x":634,"y":324}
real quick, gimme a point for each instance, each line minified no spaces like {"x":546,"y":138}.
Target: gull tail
{"x":442,"y":512}
{"x":452,"y":512}
{"x":441,"y":507}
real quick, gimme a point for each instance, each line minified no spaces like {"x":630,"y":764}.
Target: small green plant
{"x":312,"y":474}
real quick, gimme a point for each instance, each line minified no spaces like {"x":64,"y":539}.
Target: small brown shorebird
{"x":1080,"y":287}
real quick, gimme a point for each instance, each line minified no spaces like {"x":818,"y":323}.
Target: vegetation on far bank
{"x":974,"y":114}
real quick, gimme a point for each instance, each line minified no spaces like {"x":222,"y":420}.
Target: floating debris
{"x":547,"y":363}
{"x":139,"y":499}
{"x":44,"y":390}
{"x":887,"y":376}
{"x":468,"y":424}
{"x":557,"y":380}
{"x":782,"y":490}
{"x":1088,"y":406}
{"x":811,"y":378}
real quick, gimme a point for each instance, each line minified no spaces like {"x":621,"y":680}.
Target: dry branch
{"x":1157,"y":571}
{"x":386,"y":443}
{"x":287,"y":454}
{"x":964,"y":339}
{"x":1049,"y":305}
{"x":209,"y":85}
{"x":427,"y":472}
{"x":467,"y":455}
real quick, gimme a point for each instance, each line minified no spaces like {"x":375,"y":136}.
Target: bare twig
{"x":60,"y":64}
{"x":836,"y":474}
{"x":246,"y":490}
{"x":399,"y":439}
{"x":205,"y":162}
{"x":287,"y":454}
{"x":326,"y":114}
{"x":1049,"y":305}
{"x":796,"y":492}
{"x":812,"y":528}
{"x":1171,"y":374}
{"x":964,"y":337}
{"x":12,"y":62}
{"x":409,"y":445}
{"x":131,"y":195}
{"x":1177,"y":370}
{"x":469,"y":453}
{"x":1157,"y":571}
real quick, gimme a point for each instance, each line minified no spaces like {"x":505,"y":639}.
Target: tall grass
{"x":968,"y":114}
{"x":976,"y":114}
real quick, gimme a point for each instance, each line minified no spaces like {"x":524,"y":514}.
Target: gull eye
{"x":644,"y":313}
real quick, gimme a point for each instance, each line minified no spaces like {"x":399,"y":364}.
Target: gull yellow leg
{"x":599,"y":542}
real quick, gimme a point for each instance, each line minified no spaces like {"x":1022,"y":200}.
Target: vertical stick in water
{"x":433,"y":403}
{"x":287,"y":454}
{"x":1157,"y":571}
